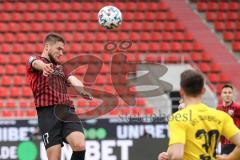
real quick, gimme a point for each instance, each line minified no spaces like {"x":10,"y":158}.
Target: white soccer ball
{"x":110,"y":17}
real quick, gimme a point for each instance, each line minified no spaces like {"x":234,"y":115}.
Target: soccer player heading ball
{"x":50,"y":97}
{"x":195,"y":137}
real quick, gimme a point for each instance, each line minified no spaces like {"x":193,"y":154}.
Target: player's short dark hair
{"x":53,"y":38}
{"x":192,"y":83}
{"x":227,"y":86}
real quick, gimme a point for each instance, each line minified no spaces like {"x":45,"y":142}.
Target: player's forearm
{"x":38,"y":65}
{"x":76,"y":83}
{"x":235,"y":154}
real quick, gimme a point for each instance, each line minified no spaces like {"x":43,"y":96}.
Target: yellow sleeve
{"x":229,"y":128}
{"x":177,"y":132}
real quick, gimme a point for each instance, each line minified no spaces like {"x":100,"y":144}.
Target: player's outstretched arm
{"x":41,"y":66}
{"x":78,"y":86}
{"x":235,"y":154}
{"x":163,"y":156}
{"x":175,"y":152}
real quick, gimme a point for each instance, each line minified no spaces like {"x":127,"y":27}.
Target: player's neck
{"x":45,"y":55}
{"x":226,"y":104}
{"x":192,"y":100}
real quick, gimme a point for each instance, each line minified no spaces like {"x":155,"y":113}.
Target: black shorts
{"x":55,"y":128}
{"x":227,"y":148}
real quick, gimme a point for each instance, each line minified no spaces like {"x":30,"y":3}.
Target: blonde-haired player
{"x":195,"y":137}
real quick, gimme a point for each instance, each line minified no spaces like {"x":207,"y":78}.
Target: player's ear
{"x":181,"y":92}
{"x":46,"y":46}
{"x":203,"y":90}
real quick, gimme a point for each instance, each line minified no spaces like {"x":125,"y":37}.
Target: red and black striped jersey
{"x":234,"y":111}
{"x":51,"y":90}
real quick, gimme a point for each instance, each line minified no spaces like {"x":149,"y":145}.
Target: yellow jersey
{"x":199,"y":128}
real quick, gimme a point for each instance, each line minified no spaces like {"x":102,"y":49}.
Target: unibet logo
{"x":93,"y":133}
{"x":27,"y":151}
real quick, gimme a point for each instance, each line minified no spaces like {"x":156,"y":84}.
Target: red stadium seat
{"x":10,"y":69}
{"x":172,"y":59}
{"x":3,"y":27}
{"x":163,"y":6}
{"x":6,"y":80}
{"x":20,"y":6}
{"x":31,"y":6}
{"x":228,"y":36}
{"x":206,"y":57}
{"x":86,"y":6}
{"x":42,"y":6}
{"x":143,"y":47}
{"x":14,"y":92}
{"x":139,"y":16}
{"x":196,"y":57}
{"x":178,"y":36}
{"x":167,"y":36}
{"x":17,"y":48}
{"x":222,"y":6}
{"x":196,"y":47}
{"x":236,"y":46}
{"x":78,"y":37}
{"x":230,"y":26}
{"x":4,"y":92}
{"x":69,"y":27}
{"x":65,"y":6}
{"x":131,"y":6}
{"x":219,"y":26}
{"x":179,"y":27}
{"x":221,"y":16}
{"x":201,"y":6}
{"x":145,"y":36}
{"x":186,"y":47}
{"x":161,"y":16}
{"x":211,"y":16}
{"x":156,"y":36}
{"x":53,"y":6}
{"x":213,"y":77}
{"x":4,"y":59}
{"x":8,"y":6}
{"x":14,"y":59}
{"x":100,"y":37}
{"x":26,"y":92}
{"x":13,"y":27}
{"x":212,"y":6}
{"x":232,"y":16}
{"x":11,"y":103}
{"x":81,"y":26}
{"x":31,"y":113}
{"x":24,"y":27}
{"x":16,"y":17}
{"x":171,"y":16}
{"x":164,"y":47}
{"x":21,"y":69}
{"x":154,"y":47}
{"x":140,"y":102}
{"x":176,"y":47}
{"x":151,"y":58}
{"x":150,"y":16}
{"x":27,"y":17}
{"x":38,"y":16}
{"x":224,"y":78}
{"x":2,"y":70}
{"x":18,"y":81}
{"x":20,"y":37}
{"x":152,"y":6}
{"x":9,"y":37}
{"x":233,"y":6}
{"x":204,"y":67}
{"x":148,"y":26}
{"x":215,"y":68}
{"x":141,"y":6}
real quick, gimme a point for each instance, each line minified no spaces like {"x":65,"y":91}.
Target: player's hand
{"x":86,"y":95}
{"x":48,"y":69}
{"x":163,"y":156}
{"x":222,"y":157}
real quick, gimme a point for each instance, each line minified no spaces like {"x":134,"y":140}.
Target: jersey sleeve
{"x":177,"y":132}
{"x":30,"y":61}
{"x":229,"y":128}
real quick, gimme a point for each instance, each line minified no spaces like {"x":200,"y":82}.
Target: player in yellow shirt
{"x":195,"y":130}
